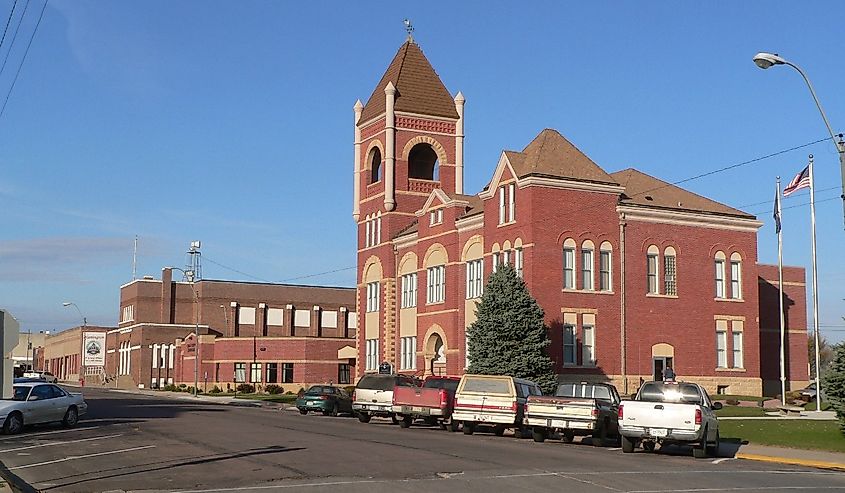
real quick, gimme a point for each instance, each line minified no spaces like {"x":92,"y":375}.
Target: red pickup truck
{"x":433,"y":402}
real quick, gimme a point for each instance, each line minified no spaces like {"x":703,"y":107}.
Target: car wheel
{"x":600,"y":435}
{"x":627,"y":444}
{"x":568,"y":436}
{"x":699,"y":450}
{"x":14,"y":424}
{"x":713,"y":450}
{"x":303,"y":411}
{"x":71,"y":417}
{"x":405,"y":422}
{"x":468,"y":428}
{"x":499,"y":431}
{"x":454,"y":426}
{"x":649,"y":446}
{"x":539,"y":435}
{"x":364,"y":417}
{"x":394,"y":419}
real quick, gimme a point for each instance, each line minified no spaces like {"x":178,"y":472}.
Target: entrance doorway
{"x":659,"y":363}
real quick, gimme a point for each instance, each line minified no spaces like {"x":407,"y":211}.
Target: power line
{"x":785,"y":198}
{"x":803,"y":204}
{"x":14,"y":37}
{"x":234,"y":270}
{"x":319,"y":274}
{"x":8,"y":21}
{"x":23,"y":59}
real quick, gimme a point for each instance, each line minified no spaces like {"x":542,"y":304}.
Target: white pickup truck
{"x":670,"y":412}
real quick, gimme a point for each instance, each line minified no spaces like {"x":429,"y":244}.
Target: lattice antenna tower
{"x":193,"y":260}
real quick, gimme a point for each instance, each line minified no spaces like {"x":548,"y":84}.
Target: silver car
{"x":38,"y":402}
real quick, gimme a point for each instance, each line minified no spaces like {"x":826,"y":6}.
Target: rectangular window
{"x":511,"y":202}
{"x":737,"y":350}
{"x":240,"y":372}
{"x":669,"y":283}
{"x":275,"y":316}
{"x":568,"y":268}
{"x":344,"y":375}
{"x":721,"y":349}
{"x":604,"y":271}
{"x":720,"y":278}
{"x":128,"y":313}
{"x":652,"y":274}
{"x":155,"y":356}
{"x":569,"y":344}
{"x":436,"y":284}
{"x":287,"y":372}
{"x":501,"y":205}
{"x":409,"y":291}
{"x":378,"y":231}
{"x":736,"y":280}
{"x":506,"y":257}
{"x":255,"y":373}
{"x":246,"y":315}
{"x":587,"y":269}
{"x":373,"y":296}
{"x":475,"y":274}
{"x":272,"y":373}
{"x":368,"y":236}
{"x":588,"y":345}
{"x":495,"y":260}
{"x":371,"y":355}
{"x":436,"y":217}
{"x":408,"y":353}
{"x":519,"y":261}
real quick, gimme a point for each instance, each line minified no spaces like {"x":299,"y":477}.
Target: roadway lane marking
{"x":59,"y":443}
{"x":75,"y":457}
{"x":561,"y":475}
{"x":744,"y":488}
{"x":723,"y":459}
{"x":68,"y":430}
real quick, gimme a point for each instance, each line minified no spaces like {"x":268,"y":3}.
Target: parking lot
{"x":131,"y":442}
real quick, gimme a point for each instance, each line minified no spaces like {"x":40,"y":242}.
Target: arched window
{"x":670,"y":281}
{"x":423,"y":163}
{"x":736,"y":276}
{"x":569,"y":264}
{"x":605,"y":267}
{"x":651,"y":258}
{"x":587,"y":262}
{"x":375,"y":165}
{"x":720,"y":274}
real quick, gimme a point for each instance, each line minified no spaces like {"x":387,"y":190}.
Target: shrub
{"x":288,"y":393}
{"x":833,"y":384}
{"x":245,"y":388}
{"x":215,"y":390}
{"x":349,"y":389}
{"x":274,"y":389}
{"x":183,"y":386}
{"x":732,"y":402}
{"x":170,"y":388}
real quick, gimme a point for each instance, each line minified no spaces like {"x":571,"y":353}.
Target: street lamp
{"x":189,"y":275}
{"x":70,"y":303}
{"x":765,"y":60}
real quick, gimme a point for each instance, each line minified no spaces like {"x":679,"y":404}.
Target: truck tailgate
{"x":559,"y":407}
{"x":659,"y":415}
{"x":370,"y":396}
{"x":416,"y":397}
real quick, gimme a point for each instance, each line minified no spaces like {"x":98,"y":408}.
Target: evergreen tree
{"x":508,"y":336}
{"x":833,"y":384}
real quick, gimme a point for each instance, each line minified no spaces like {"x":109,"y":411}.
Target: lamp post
{"x":189,"y":275}
{"x":70,"y":303}
{"x":765,"y":60}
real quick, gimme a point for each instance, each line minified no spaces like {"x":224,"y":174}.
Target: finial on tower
{"x":410,"y":29}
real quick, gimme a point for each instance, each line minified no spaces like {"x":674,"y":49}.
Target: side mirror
{"x":717,"y":406}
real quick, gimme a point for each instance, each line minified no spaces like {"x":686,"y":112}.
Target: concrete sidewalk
{"x":797,"y":457}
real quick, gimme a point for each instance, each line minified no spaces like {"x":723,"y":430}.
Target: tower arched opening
{"x":375,"y":165}
{"x":423,"y":163}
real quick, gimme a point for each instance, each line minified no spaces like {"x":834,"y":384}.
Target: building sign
{"x":385,"y":368}
{"x":94,"y":349}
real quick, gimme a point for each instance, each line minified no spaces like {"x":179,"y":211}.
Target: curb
{"x":792,"y":461}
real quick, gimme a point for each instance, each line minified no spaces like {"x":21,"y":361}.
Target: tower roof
{"x":645,"y":190}
{"x":550,"y":154}
{"x":418,"y":87}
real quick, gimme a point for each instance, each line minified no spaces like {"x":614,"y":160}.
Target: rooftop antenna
{"x":135,"y":259}
{"x":194,"y":257}
{"x":410,"y":29}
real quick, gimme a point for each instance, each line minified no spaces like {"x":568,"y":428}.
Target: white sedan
{"x":43,"y":375}
{"x":38,"y":402}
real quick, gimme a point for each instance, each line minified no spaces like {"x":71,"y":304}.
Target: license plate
{"x":416,"y":409}
{"x":658,"y":432}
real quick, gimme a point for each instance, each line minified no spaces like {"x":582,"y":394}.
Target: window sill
{"x":573,"y":365}
{"x":434,"y":303}
{"x":474,"y":298}
{"x":728,"y":370}
{"x":586,"y":291}
{"x":658,"y":295}
{"x":730,"y":300}
{"x":509,"y":223}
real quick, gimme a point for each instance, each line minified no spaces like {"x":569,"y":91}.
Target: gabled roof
{"x":644,"y":190}
{"x":475,"y":206}
{"x":418,"y":87}
{"x":551,"y":155}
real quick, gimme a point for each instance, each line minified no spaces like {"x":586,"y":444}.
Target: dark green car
{"x":327,"y":399}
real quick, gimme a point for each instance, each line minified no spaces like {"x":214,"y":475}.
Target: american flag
{"x":801,"y":180}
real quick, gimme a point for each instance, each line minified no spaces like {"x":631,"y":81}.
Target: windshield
{"x":584,"y":390}
{"x":487,"y":385}
{"x":20,"y":393}
{"x":319,"y":389}
{"x":442,"y":383}
{"x":377,"y":382}
{"x":662,"y":392}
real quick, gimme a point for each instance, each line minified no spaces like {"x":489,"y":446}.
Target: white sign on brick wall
{"x":275,"y":316}
{"x":329,"y":319}
{"x":302,"y":318}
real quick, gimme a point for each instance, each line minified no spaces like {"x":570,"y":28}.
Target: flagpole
{"x":815,"y":287}
{"x":780,"y":299}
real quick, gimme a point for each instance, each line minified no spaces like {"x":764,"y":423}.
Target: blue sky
{"x":231,"y":123}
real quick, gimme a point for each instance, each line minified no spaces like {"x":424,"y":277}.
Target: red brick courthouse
{"x":633,"y":273}
{"x":257,"y":333}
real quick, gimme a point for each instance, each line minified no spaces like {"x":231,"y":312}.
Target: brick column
{"x":343,"y":322}
{"x":290,"y":314}
{"x":261,"y":320}
{"x":166,"y":296}
{"x":315,"y":329}
{"x":233,"y":319}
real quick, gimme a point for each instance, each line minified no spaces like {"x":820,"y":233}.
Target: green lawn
{"x":741,"y":411}
{"x":794,"y":433}
{"x":267,"y":397}
{"x":750,"y":398}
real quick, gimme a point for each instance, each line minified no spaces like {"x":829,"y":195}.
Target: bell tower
{"x":408,"y":142}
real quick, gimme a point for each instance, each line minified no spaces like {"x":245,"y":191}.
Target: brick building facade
{"x":248,"y":332}
{"x":633,"y":273}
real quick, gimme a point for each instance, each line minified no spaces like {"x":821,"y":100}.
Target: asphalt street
{"x":131,"y":442}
